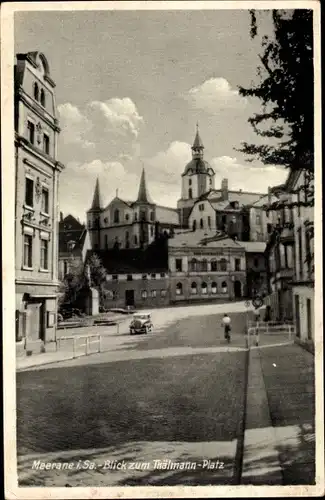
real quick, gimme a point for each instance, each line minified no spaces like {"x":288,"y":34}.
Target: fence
{"x":269,"y":333}
{"x":82,"y":345}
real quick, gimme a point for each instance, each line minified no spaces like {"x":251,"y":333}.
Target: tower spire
{"x":143,"y":195}
{"x":197,"y":148}
{"x":97,"y":203}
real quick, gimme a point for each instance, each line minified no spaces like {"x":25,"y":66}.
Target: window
{"x":256,"y":262}
{"x":144,"y":277}
{"x":143,"y":215}
{"x":151,"y":230}
{"x":162,"y":275}
{"x":214,"y":287}
{"x":36,"y":92}
{"x":29,"y":192}
{"x":106,"y":241}
{"x":190,"y":182}
{"x":224,"y":287}
{"x":116,"y":216}
{"x":152,"y":216}
{"x":210,"y":181}
{"x":194,"y":288}
{"x":163,"y":293}
{"x":237,"y":264}
{"x":269,"y":228}
{"x":193,"y":265}
{"x":223,"y":265}
{"x":201,"y":223}
{"x":129,"y":277}
{"x":45,"y":201}
{"x":65,"y":268}
{"x":209,"y":221}
{"x":204,"y":265}
{"x":179,"y":265}
{"x":204,"y":288}
{"x":106,"y":220}
{"x":28,"y":250}
{"x":144,"y":294}
{"x":43,"y":98}
{"x":179,"y":289}
{"x":44,"y":254}
{"x":190,"y":193}
{"x":258,"y":219}
{"x":31,"y":132}
{"x":194,"y":225}
{"x":46,"y":144}
{"x":115,"y":277}
{"x":126,"y":216}
{"x":201,"y":207}
{"x":214,"y":265}
{"x":153,"y":276}
{"x":153,"y":293}
{"x":135,"y":239}
{"x":127,"y":235}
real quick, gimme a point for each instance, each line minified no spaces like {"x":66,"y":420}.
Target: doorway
{"x":237,"y":289}
{"x":129,"y":297}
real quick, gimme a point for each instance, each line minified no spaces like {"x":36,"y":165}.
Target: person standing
{"x":226,"y":322}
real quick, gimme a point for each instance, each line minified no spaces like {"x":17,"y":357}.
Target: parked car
{"x":141,"y":323}
{"x":68,"y":312}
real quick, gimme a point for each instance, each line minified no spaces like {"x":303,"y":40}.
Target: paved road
{"x":184,"y":403}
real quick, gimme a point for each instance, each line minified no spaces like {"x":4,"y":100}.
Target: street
{"x":175,"y":394}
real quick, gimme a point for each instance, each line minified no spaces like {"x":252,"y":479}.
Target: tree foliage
{"x":286,"y":92}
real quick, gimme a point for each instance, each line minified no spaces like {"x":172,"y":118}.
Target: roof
{"x":253,"y":246}
{"x":167,"y":215}
{"x":264,"y":200}
{"x":197,"y":165}
{"x":197,"y":141}
{"x":153,"y":259}
{"x":143,"y":194}
{"x":69,"y":233}
{"x":97,"y":202}
{"x":243,"y":197}
{"x":202,"y":238}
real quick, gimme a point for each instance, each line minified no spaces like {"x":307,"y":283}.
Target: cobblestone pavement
{"x":185,"y":405}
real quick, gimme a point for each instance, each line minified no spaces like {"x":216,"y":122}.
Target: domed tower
{"x":93,"y":218}
{"x":197,"y":178}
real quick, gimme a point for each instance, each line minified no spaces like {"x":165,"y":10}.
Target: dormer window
{"x":36,"y":92}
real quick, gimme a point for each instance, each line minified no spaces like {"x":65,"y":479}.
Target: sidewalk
{"x":279,"y":442}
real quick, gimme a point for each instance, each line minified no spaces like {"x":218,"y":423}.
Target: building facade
{"x":73,"y":244}
{"x":36,"y":200}
{"x":203,"y":268}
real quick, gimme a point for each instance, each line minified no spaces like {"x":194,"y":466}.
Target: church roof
{"x":197,"y":141}
{"x":198,"y":166}
{"x":97,"y":202}
{"x":143,"y":194}
{"x":167,"y":215}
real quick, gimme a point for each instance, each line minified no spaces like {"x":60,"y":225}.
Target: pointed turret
{"x":97,"y":203}
{"x":197,"y":148}
{"x":143,"y":195}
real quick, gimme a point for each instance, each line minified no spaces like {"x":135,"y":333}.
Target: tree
{"x":286,"y":92}
{"x":97,"y":271}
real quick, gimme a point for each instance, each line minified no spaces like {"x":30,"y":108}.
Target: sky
{"x":130,"y":88}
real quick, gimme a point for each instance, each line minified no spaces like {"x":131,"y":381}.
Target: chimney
{"x":61,"y":216}
{"x":224,"y":189}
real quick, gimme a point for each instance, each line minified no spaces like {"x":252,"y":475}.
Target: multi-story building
{"x":128,"y":224}
{"x":303,"y":281}
{"x":73,"y":244}
{"x":203,"y":268}
{"x":36,"y":200}
{"x":280,"y":256}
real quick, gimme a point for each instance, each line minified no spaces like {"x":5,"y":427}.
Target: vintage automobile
{"x":141,"y":323}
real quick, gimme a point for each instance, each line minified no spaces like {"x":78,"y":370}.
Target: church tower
{"x":93,"y":218}
{"x":145,"y":214}
{"x":197,"y":179}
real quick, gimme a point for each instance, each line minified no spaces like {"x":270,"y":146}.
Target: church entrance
{"x":129,"y":297}
{"x":237,"y":289}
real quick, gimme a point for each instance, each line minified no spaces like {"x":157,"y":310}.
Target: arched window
{"x":204,"y":265}
{"x":214,"y":287}
{"x":190,"y":193}
{"x":36,"y":92}
{"x":179,"y":289}
{"x":201,"y":223}
{"x":116,"y":216}
{"x":224,"y":287}
{"x":190,"y":182}
{"x":193,"y":265}
{"x":214,"y":265}
{"x":223,"y":265}
{"x":43,"y":98}
{"x":204,"y":288}
{"x":126,"y":216}
{"x":194,"y":288}
{"x":194,"y":225}
{"x":152,"y":216}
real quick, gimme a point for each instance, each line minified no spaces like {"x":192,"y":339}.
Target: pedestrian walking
{"x":226,"y":323}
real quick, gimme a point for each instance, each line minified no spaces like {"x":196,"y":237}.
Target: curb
{"x":30,"y":367}
{"x":259,"y":434}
